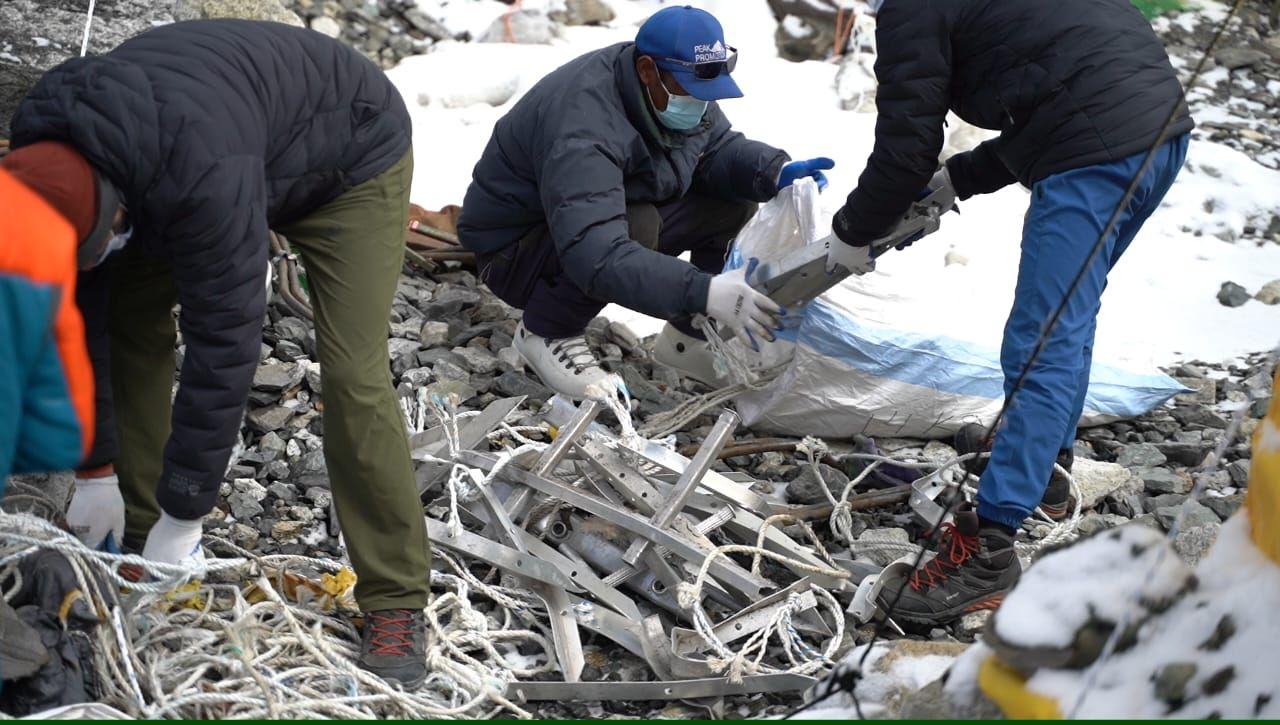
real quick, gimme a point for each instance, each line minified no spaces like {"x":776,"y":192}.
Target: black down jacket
{"x":1068,"y":83}
{"x":580,"y":146}
{"x":214,"y":131}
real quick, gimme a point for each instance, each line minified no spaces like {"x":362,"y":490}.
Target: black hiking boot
{"x":393,"y":646}
{"x":975,"y":566}
{"x":1056,"y":503}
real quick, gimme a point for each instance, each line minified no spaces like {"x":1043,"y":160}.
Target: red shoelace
{"x":958,"y":550}
{"x":392,"y":632}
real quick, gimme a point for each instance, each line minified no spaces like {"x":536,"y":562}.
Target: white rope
{"x":206,"y":650}
{"x":88,"y":24}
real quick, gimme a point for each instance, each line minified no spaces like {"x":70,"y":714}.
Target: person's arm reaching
{"x":914,"y":74}
{"x":734,"y":167}
{"x":219,"y":257}
{"x":583,"y":197}
{"x":979,"y":170}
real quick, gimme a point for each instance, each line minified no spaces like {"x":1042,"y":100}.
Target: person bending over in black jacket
{"x":1080,"y":91}
{"x":599,"y":177}
{"x":211,"y":133}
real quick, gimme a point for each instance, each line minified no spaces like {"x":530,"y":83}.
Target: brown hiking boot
{"x":974,"y":568}
{"x":393,"y":646}
{"x":1057,"y":501}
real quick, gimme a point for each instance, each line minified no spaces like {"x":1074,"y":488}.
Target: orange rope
{"x":506,"y":21}
{"x":843,"y":30}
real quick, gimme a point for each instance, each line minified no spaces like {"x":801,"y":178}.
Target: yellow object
{"x":335,"y":585}
{"x":67,"y":602}
{"x":195,"y":601}
{"x":1263,"y":498}
{"x":1007,"y":688}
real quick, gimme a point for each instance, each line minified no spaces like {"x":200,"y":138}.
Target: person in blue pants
{"x":1081,"y":91}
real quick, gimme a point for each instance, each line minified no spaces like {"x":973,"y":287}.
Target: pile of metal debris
{"x":720,"y":589}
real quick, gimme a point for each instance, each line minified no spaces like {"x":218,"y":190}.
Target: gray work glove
{"x":735,"y":304}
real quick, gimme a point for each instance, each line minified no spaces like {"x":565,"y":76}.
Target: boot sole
{"x":947,"y":616}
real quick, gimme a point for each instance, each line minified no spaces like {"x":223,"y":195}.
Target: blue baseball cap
{"x":689,"y":44}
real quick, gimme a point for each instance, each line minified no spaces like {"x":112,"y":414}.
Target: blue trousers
{"x":1068,"y":212}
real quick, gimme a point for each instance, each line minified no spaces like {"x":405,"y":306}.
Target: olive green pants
{"x":353,"y":251}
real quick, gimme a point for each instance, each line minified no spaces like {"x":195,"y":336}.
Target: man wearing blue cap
{"x":600,"y":176}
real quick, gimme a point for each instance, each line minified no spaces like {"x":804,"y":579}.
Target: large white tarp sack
{"x":845,"y":375}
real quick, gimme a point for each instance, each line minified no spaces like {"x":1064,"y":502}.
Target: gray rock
{"x":477,"y":360}
{"x":1193,"y":543}
{"x":1233,"y":58}
{"x":417,"y":377}
{"x":1141,"y":455}
{"x":1224,"y":506}
{"x":326,"y":25}
{"x":1162,"y":480}
{"x":434,"y":334}
{"x":448,"y":370}
{"x":310,"y":463}
{"x":1170,"y":681}
{"x":313,"y":376}
{"x":510,"y":359}
{"x":265,"y":420}
{"x":271,"y":442}
{"x":1185,"y":453}
{"x":1269,"y":294}
{"x":522,"y":26}
{"x":283,"y":491}
{"x":1204,"y":390}
{"x":974,"y":622}
{"x":295,"y":330}
{"x":806,"y":490}
{"x":286,"y":531}
{"x":1239,"y":472}
{"x":244,"y":536}
{"x":272,"y":10}
{"x":276,"y":470}
{"x":424,"y":24}
{"x":289,"y":351}
{"x":277,"y":377}
{"x":245,"y":499}
{"x":1157,"y":502}
{"x":403,"y":353}
{"x":583,"y":12}
{"x":517,"y":383}
{"x":1196,"y":515}
{"x":319,"y":497}
{"x":1232,"y":295}
{"x":1098,"y":479}
{"x":1092,"y":523}
{"x":1195,"y":415}
{"x":449,"y":301}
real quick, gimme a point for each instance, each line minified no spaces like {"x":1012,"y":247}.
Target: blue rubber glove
{"x":800,"y":169}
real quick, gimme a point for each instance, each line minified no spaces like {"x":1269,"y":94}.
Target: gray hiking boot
{"x":393,"y":646}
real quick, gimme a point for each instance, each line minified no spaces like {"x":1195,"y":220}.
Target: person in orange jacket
{"x":55,"y":218}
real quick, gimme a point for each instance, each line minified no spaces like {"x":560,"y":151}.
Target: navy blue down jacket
{"x":214,"y":131}
{"x":1067,"y":83}
{"x":580,"y":146}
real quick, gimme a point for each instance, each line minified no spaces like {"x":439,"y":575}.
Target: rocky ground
{"x":448,"y":329}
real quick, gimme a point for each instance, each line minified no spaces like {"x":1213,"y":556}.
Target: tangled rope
{"x":262,"y":637}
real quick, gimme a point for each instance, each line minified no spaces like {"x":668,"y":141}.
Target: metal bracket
{"x":673,"y":690}
{"x":728,"y":573}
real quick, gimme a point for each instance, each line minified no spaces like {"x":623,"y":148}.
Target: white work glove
{"x":175,"y":541}
{"x":740,"y":307}
{"x":941,"y":182}
{"x":96,"y":513}
{"x":857,"y":260}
